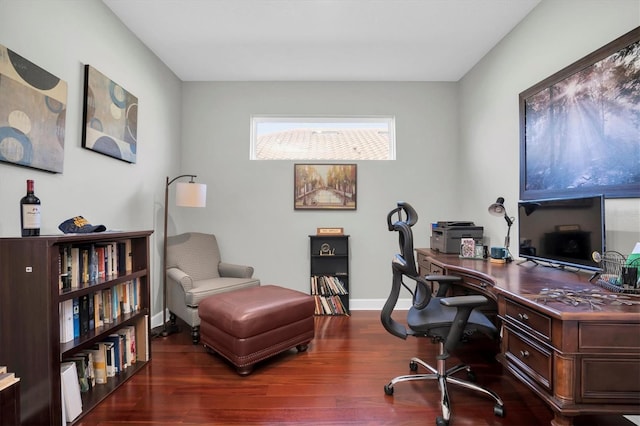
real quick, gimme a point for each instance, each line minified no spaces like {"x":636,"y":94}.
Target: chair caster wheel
{"x":413,"y":366}
{"x":499,"y":410}
{"x":441,"y":422}
{"x":388,"y":389}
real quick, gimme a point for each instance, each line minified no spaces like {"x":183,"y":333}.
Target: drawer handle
{"x":524,"y":354}
{"x":523,"y":317}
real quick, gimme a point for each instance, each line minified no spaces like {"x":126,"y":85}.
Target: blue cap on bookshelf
{"x":79,"y":225}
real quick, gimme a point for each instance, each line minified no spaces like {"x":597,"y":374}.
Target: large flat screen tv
{"x":562,"y":231}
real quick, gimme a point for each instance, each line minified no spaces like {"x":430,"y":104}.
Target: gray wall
{"x":250,"y":203}
{"x":62,"y":36}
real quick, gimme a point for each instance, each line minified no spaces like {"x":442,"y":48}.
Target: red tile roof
{"x":324,"y":144}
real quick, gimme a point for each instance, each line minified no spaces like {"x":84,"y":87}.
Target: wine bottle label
{"x":31,"y":216}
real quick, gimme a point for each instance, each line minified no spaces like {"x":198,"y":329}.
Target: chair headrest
{"x":409,"y":212}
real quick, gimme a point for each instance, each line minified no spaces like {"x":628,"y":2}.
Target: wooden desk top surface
{"x":524,"y":283}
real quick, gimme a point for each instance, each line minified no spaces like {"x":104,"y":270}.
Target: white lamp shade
{"x":190,"y":194}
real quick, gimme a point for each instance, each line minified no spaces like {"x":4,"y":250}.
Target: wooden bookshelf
{"x":330,"y":273}
{"x":30,"y":297}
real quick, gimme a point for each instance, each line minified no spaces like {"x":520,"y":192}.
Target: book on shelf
{"x":122,"y":256}
{"x":100,"y":260}
{"x":118,"y":348}
{"x":110,"y":358}
{"x":91,"y":372}
{"x":142,"y":339}
{"x":84,"y":314}
{"x":75,"y":267}
{"x":81,"y":370}
{"x":70,"y":388}
{"x":99,"y":360}
{"x":98,"y":311}
{"x":106,"y":306}
{"x":66,"y":321}
{"x":128,"y":352}
{"x":76,"y":317}
{"x":130,"y":336}
{"x":92,"y":312}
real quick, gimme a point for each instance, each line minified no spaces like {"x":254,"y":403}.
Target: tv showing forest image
{"x":580,"y":128}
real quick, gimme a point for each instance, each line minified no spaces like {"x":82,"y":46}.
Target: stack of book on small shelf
{"x":326,"y":290}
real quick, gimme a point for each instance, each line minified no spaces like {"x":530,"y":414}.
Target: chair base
{"x":445,"y":376}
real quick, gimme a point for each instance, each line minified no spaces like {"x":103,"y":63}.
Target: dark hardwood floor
{"x":338,"y":381}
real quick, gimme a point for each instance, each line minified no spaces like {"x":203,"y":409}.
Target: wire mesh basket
{"x":617,"y":274}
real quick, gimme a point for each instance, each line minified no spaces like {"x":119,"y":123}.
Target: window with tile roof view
{"x":322,"y":138}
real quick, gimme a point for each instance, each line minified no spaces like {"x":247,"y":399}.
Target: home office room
{"x":461,"y":189}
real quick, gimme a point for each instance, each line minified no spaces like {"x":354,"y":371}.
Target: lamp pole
{"x":165,"y":332}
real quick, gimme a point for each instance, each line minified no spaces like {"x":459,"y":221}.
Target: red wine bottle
{"x":30,"y":213}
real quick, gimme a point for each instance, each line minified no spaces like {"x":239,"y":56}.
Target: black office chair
{"x":446,"y":320}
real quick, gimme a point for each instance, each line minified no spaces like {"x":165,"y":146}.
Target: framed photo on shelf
{"x":324,"y":186}
{"x":110,"y":117}
{"x":579,"y":128}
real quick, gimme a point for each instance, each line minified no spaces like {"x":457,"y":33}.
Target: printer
{"x":446,"y":235}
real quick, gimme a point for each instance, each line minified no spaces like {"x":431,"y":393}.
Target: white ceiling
{"x":320,"y":40}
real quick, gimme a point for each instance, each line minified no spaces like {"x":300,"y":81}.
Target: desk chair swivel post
{"x":445,"y":320}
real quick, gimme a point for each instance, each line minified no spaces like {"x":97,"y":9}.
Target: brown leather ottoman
{"x":249,"y":325}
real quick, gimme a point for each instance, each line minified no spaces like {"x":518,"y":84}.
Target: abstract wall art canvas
{"x":110,"y":117}
{"x":32,"y":114}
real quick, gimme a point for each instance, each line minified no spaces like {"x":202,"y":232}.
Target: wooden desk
{"x":579,"y":360}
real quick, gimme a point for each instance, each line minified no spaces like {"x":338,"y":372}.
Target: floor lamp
{"x":498,"y":209}
{"x":188,"y":194}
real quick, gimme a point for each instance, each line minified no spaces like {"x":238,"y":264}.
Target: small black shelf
{"x":329,"y":283}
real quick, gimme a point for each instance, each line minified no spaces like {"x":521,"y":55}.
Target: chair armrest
{"x":181,"y":278}
{"x":235,"y":271}
{"x":464,"y":301}
{"x":464,"y":305}
{"x":444,"y":282}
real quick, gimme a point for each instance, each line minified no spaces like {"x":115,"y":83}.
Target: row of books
{"x":329,"y":305}
{"x":89,"y":263}
{"x":7,"y":378}
{"x":99,"y":364}
{"x":327,"y":285}
{"x":80,"y":315}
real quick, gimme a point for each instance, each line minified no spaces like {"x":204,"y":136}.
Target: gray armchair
{"x":195,"y":272}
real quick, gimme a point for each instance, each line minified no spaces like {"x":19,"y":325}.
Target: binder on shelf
{"x":72,"y":400}
{"x":66,"y":321}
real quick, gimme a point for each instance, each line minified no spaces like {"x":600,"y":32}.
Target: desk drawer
{"x":528,"y":357}
{"x":528,"y":319}
{"x":477,"y":284}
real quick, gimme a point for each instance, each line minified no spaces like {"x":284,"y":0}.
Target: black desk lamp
{"x":498,"y":209}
